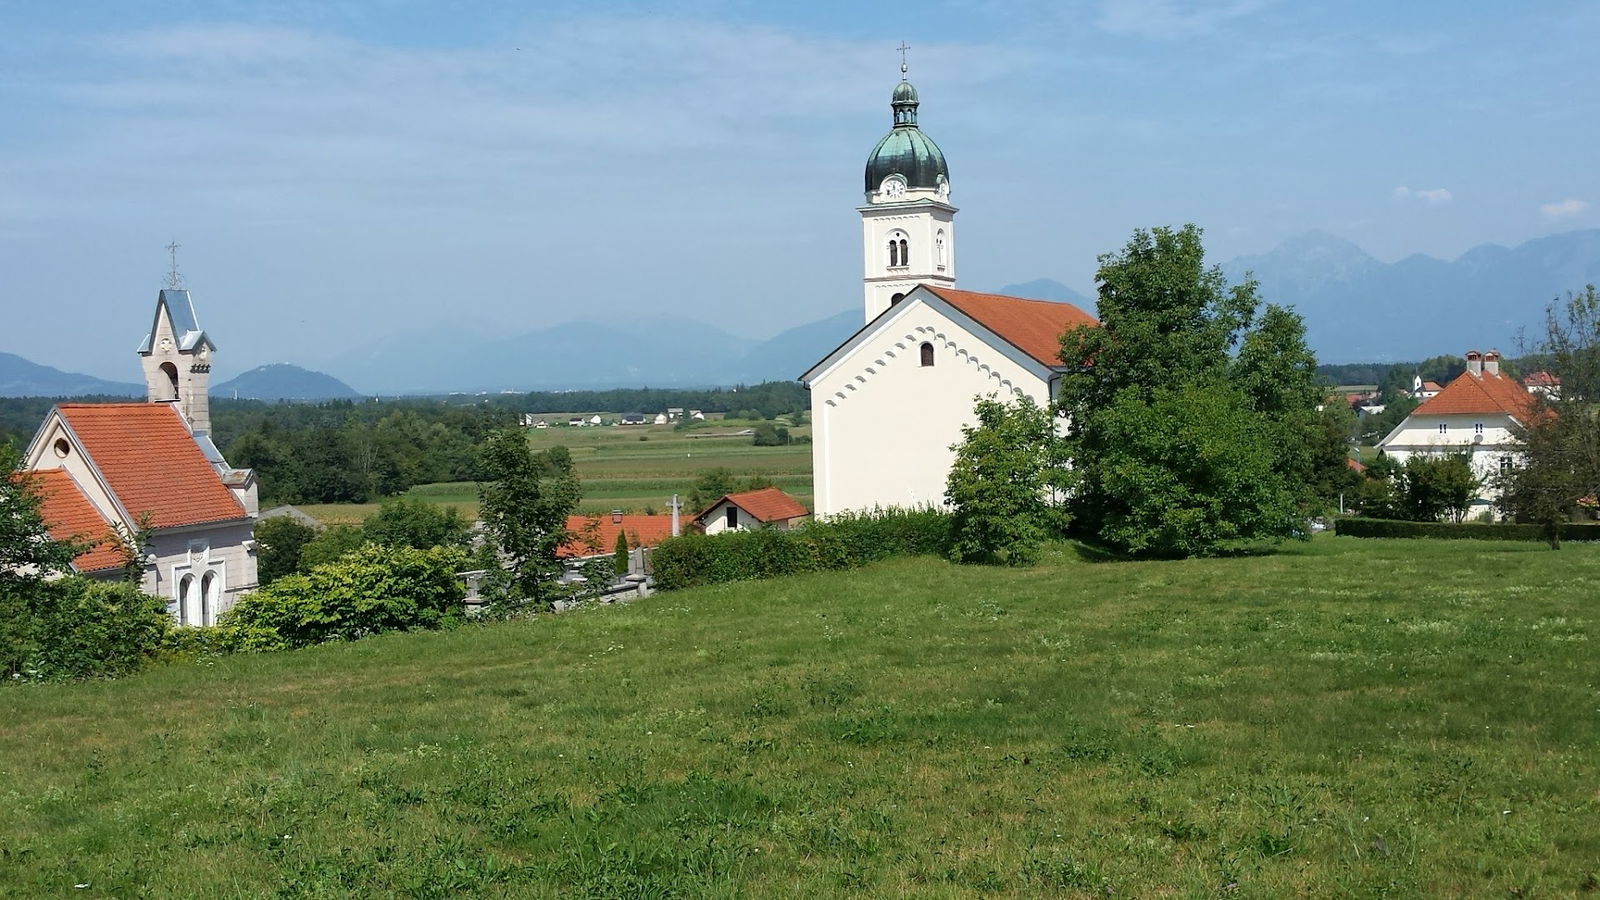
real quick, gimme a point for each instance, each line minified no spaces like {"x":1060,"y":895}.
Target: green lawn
{"x":1347,"y":718}
{"x":621,"y":471}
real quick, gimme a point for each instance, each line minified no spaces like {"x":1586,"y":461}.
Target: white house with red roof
{"x":104,"y":470}
{"x":752,"y":510}
{"x":1474,"y":414}
{"x":888,"y":404}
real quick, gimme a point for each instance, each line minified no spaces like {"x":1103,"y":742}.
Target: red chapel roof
{"x":1032,"y":326}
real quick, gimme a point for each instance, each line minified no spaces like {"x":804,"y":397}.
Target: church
{"x":105,"y":470}
{"x":888,"y":404}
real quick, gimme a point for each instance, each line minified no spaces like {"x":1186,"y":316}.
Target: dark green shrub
{"x":369,"y":591}
{"x":77,"y":628}
{"x":844,"y":542}
{"x":279,"y":541}
{"x":409,"y":522}
{"x":1498,"y":531}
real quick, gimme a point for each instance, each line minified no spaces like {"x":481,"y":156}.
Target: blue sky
{"x":340,"y":172}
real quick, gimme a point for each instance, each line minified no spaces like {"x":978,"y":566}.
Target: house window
{"x":1477,"y":428}
{"x":1444,"y":428}
{"x":733,"y":517}
{"x":1507,"y":465}
{"x":927,"y":354}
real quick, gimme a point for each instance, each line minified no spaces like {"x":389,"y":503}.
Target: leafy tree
{"x":408,"y":522}
{"x":28,"y":554}
{"x":369,"y":591}
{"x":524,"y":510}
{"x":1559,"y":438}
{"x":766,"y":434}
{"x":279,"y":542}
{"x":1329,"y":456}
{"x":1006,"y":483}
{"x":1435,"y":486}
{"x":1191,"y":409}
{"x":331,"y":543}
{"x":713,"y":484}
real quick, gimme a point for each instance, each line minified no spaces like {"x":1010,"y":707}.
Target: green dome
{"x":906,"y":151}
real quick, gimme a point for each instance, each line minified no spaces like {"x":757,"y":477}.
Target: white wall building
{"x":1475,"y":415}
{"x":888,"y":404}
{"x":752,"y":510}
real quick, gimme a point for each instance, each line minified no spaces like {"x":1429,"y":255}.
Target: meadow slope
{"x":1346,"y":718}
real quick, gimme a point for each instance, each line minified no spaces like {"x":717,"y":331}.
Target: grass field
{"x":1349,"y":718}
{"x":619,"y":470}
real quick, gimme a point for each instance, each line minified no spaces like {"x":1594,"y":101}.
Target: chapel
{"x":106,"y":470}
{"x":888,"y":404}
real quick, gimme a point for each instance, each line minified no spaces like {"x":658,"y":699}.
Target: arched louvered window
{"x":927,"y":354}
{"x":905,"y":253}
{"x":896,"y":299}
{"x":894,"y":253}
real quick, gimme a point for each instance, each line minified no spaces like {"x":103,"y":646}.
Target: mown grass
{"x":621,"y":471}
{"x":1348,"y":718}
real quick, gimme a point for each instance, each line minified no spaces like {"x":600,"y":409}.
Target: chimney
{"x":616,"y":517}
{"x":1474,"y":363}
{"x":1491,"y":363}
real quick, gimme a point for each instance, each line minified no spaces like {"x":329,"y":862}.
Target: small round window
{"x":62,"y":448}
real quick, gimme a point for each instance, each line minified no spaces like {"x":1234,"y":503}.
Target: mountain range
{"x":1356,"y":308}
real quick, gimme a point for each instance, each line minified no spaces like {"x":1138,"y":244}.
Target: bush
{"x":844,"y":542}
{"x":279,"y":542}
{"x":372,"y":590}
{"x":77,"y":628}
{"x":408,"y":522}
{"x":1499,"y":531}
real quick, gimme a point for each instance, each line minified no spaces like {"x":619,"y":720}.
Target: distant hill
{"x":282,"y":381}
{"x":1048,"y":289}
{"x":789,"y":354}
{"x":21,"y":378}
{"x":1358,"y":308}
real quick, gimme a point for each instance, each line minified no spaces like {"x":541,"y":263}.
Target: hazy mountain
{"x":664,"y":351}
{"x":1358,"y":308}
{"x":282,"y":381}
{"x":1048,"y":289}
{"x":792,"y":352}
{"x":22,"y":378}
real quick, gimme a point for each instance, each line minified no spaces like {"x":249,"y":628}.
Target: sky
{"x":341,"y":172}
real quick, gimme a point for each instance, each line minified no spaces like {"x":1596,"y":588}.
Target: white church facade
{"x":105,"y":469}
{"x":888,"y":404}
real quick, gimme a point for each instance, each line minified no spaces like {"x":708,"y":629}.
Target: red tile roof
{"x":642,"y":531}
{"x":1032,"y":326}
{"x":71,"y":517}
{"x":1354,"y":465}
{"x":151,"y":463}
{"x":1541,"y":379}
{"x":1483,"y":394}
{"x":765,"y":505}
{"x":1431,"y":386}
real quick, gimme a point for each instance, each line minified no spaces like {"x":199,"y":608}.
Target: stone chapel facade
{"x":103,"y":470}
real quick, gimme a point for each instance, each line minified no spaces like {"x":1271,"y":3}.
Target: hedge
{"x":1497,"y":531}
{"x":843,"y":542}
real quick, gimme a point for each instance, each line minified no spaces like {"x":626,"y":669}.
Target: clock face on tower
{"x":893,"y":187}
{"x":166,"y":344}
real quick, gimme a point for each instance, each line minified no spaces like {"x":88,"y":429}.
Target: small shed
{"x":751,"y":510}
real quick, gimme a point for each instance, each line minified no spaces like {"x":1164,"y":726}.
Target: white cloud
{"x":1562,"y":209}
{"x":1172,"y":18}
{"x":1430,"y":196}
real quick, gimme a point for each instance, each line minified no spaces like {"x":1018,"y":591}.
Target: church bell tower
{"x":176,"y":356}
{"x":907,"y":223}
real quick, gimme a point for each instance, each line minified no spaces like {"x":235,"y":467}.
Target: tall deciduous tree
{"x":1191,"y":409}
{"x":524,"y":508}
{"x":1560,"y":437}
{"x":1006,"y":483}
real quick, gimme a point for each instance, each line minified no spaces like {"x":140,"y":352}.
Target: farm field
{"x":1344,"y":718}
{"x":619,"y":470}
